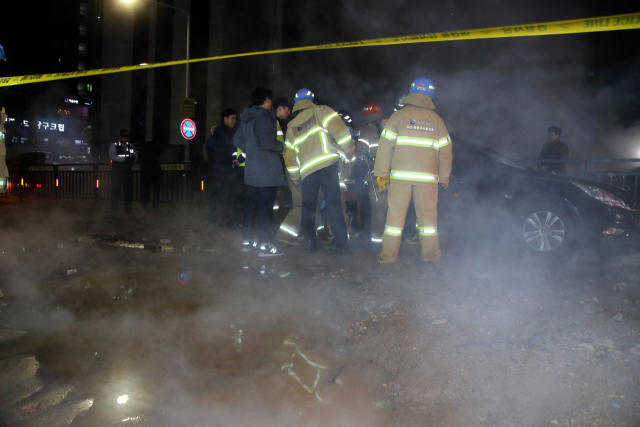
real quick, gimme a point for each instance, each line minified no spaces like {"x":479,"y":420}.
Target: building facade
{"x":57,"y":118}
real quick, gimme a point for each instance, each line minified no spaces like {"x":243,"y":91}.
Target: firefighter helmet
{"x":304,"y":94}
{"x":371,"y":108}
{"x":423,"y":85}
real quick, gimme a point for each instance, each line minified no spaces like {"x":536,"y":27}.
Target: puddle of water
{"x":144,"y":349}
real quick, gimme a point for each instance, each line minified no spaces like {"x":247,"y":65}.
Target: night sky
{"x":503,"y":93}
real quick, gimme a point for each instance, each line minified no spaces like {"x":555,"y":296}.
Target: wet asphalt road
{"x":95,"y":334}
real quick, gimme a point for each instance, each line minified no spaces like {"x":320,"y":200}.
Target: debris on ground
{"x":33,"y":407}
{"x":631,"y":260}
{"x":185,"y":275}
{"x":388,"y":306}
{"x":237,"y":338}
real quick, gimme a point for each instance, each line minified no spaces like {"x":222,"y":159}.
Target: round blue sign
{"x":188,"y":129}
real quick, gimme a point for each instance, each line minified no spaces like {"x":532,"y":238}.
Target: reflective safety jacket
{"x":122,"y":154}
{"x":348,"y":168}
{"x":313,"y":139}
{"x":415,"y":147}
{"x":279,"y":133}
{"x":369,"y":135}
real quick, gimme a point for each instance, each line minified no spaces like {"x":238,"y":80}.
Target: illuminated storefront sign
{"x":51,"y":126}
{"x":56,"y":127}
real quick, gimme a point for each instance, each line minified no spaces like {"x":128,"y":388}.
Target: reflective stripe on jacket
{"x":370,"y":136}
{"x":279,"y":133}
{"x":313,"y":139}
{"x":415,"y":146}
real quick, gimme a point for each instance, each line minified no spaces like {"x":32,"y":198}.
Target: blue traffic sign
{"x":188,"y":129}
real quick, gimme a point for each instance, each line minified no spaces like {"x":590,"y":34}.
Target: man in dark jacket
{"x":554,"y":149}
{"x":220,"y":150}
{"x":150,"y":172}
{"x":263,"y":172}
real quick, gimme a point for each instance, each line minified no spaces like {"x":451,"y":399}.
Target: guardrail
{"x":181,"y":184}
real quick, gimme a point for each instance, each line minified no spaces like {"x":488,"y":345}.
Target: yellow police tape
{"x":609,"y":23}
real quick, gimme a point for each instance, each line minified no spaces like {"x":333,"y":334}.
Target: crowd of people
{"x":310,"y":162}
{"x":316,"y":154}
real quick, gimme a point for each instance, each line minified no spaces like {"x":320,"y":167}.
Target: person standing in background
{"x":554,"y":149}
{"x":4,"y":171}
{"x":123,"y":156}
{"x":220,"y":144}
{"x":150,"y":174}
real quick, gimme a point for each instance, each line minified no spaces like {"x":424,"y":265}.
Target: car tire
{"x":547,"y":231}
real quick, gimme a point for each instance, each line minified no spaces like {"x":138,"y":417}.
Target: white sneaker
{"x":248,"y":245}
{"x":269,"y":250}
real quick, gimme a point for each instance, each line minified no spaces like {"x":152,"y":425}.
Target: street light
{"x":187,"y":13}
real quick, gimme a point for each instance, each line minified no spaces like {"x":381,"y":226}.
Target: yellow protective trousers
{"x":290,"y":227}
{"x":425,"y":200}
{"x":379,"y":207}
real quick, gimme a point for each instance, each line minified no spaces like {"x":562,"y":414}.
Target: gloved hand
{"x":381,"y":183}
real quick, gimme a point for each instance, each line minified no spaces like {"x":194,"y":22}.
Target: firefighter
{"x":4,"y":171}
{"x":354,"y":179}
{"x":123,"y":156}
{"x":314,"y":137}
{"x":369,"y":135}
{"x":415,"y":153}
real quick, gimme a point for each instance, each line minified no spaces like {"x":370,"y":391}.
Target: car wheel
{"x":547,"y":231}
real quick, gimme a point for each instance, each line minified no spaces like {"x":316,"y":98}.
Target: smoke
{"x":501,"y":93}
{"x":493,"y":338}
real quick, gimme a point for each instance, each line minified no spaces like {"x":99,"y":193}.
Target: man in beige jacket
{"x":314,"y":137}
{"x":415,"y":153}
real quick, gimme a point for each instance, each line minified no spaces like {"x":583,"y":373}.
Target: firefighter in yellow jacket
{"x":369,"y":134}
{"x":415,"y":152}
{"x":311,"y":156}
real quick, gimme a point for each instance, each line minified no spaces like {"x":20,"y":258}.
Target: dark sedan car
{"x":492,"y":199}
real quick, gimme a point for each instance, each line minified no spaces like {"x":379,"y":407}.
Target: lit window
{"x":83,"y":30}
{"x":82,"y":66}
{"x":84,"y":9}
{"x":89,"y":87}
{"x":82,"y":48}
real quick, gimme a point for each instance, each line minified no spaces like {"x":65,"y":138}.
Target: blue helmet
{"x":423,"y":85}
{"x":304,"y":94}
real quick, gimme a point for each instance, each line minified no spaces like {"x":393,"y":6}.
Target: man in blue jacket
{"x":263,"y":173}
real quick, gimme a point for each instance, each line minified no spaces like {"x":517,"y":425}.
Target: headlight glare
{"x":603,"y":196}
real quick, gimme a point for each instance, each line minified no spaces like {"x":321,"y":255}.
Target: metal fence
{"x":179,"y":185}
{"x":182,"y":183}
